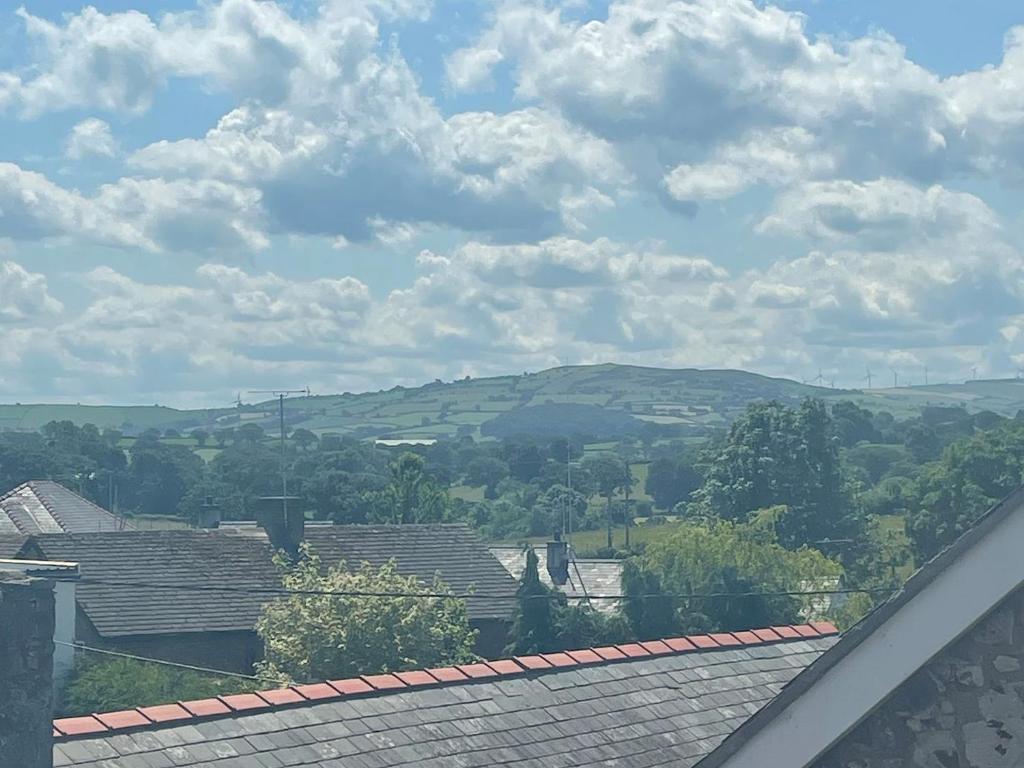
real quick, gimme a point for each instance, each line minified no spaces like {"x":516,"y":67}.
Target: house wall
{"x":26,"y":667}
{"x":964,"y":709}
{"x":228,"y":651}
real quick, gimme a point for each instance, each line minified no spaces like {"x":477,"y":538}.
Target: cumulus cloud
{"x":24,"y":295}
{"x":90,"y":137}
{"x":883,"y":214}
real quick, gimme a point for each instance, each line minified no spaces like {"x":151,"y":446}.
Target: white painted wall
{"x":64,"y":577}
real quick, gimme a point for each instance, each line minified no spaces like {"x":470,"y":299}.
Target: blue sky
{"x":200,"y":198}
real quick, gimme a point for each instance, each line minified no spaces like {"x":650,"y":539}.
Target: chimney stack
{"x":283,"y":520}
{"x":26,"y":671}
{"x":558,"y":561}
{"x":209,"y":514}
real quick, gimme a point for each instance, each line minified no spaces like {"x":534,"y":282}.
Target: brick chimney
{"x":26,"y":671}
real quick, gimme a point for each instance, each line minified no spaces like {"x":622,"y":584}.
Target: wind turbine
{"x":895,"y":378}
{"x":868,"y":377}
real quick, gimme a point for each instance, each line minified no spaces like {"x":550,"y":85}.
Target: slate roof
{"x":43,"y":506}
{"x":214,"y":568}
{"x":637,"y":705}
{"x":11,"y":544}
{"x":587,"y":576}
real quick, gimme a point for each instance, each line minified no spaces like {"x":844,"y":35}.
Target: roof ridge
{"x":49,"y":508}
{"x":97,"y":724}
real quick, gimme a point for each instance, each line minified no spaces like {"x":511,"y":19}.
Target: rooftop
{"x":43,"y":506}
{"x":129,"y":579}
{"x":665,"y":702}
{"x":587,"y":576}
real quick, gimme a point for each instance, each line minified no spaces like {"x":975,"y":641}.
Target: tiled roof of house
{"x":43,"y":506}
{"x":11,"y":544}
{"x":587,"y":576}
{"x":659,"y":703}
{"x":118,"y":595}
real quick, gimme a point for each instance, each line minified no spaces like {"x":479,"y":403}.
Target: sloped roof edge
{"x":177,"y":714}
{"x":941,"y":601}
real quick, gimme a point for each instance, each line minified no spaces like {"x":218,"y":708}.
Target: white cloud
{"x":24,"y":296}
{"x":883,"y":214}
{"x":90,"y":137}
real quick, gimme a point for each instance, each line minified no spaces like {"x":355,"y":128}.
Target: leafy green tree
{"x":719,"y":557}
{"x":487,"y":471}
{"x":304,"y":438}
{"x":853,"y":424}
{"x":111,"y":685}
{"x":159,"y":476}
{"x":670,"y":481}
{"x":412,"y":496}
{"x":612,"y":475}
{"x":200,"y":436}
{"x":645,"y":607}
{"x":321,"y":637}
{"x":775,"y":455}
{"x":972,"y":476}
{"x":250,"y":433}
{"x":535,"y":627}
{"x":223,"y":436}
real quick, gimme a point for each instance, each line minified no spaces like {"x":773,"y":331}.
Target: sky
{"x":197,"y":199}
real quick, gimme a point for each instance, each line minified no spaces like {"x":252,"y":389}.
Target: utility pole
{"x":281,"y":394}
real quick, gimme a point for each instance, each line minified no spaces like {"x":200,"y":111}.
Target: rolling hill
{"x":692,"y":400}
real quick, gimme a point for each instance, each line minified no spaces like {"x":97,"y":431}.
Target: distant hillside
{"x":692,"y":400}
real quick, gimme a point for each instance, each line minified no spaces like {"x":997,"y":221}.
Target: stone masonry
{"x":964,"y":709}
{"x":26,"y":671}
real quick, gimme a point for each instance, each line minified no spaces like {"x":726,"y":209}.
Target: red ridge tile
{"x":205,"y":707}
{"x":126,"y":718}
{"x":585,"y":656}
{"x":702,"y":641}
{"x":767,"y":635}
{"x":655,"y":647}
{"x":447,"y":674}
{"x":747,"y":637}
{"x":504,"y":667}
{"x":559,"y":659}
{"x":350,"y":686}
{"x":281,"y":696}
{"x":533,"y":662}
{"x":317,"y":691}
{"x":165,"y":713}
{"x":633,"y":650}
{"x":383,"y":682}
{"x":57,"y":734}
{"x":806,"y":630}
{"x":786,"y":633}
{"x":416,"y":677}
{"x":74,"y":726}
{"x":609,"y":653}
{"x":725,"y":638}
{"x":244,"y":702}
{"x":476,"y":671}
{"x":680,"y":644}
{"x":825,"y":627}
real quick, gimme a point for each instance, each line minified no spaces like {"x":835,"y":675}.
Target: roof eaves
{"x":856,"y":635}
{"x":144,"y":718}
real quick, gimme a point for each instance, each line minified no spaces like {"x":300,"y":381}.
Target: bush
{"x":109,"y":685}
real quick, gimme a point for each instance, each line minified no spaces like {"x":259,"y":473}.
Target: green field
{"x":692,"y":400}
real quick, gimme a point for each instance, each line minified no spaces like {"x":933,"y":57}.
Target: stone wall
{"x":26,"y":672}
{"x":964,"y":709}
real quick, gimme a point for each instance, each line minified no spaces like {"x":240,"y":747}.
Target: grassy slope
{"x":687,"y":397}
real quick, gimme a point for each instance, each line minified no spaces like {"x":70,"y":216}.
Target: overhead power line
{"x":133,"y":657}
{"x":282,"y":592}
